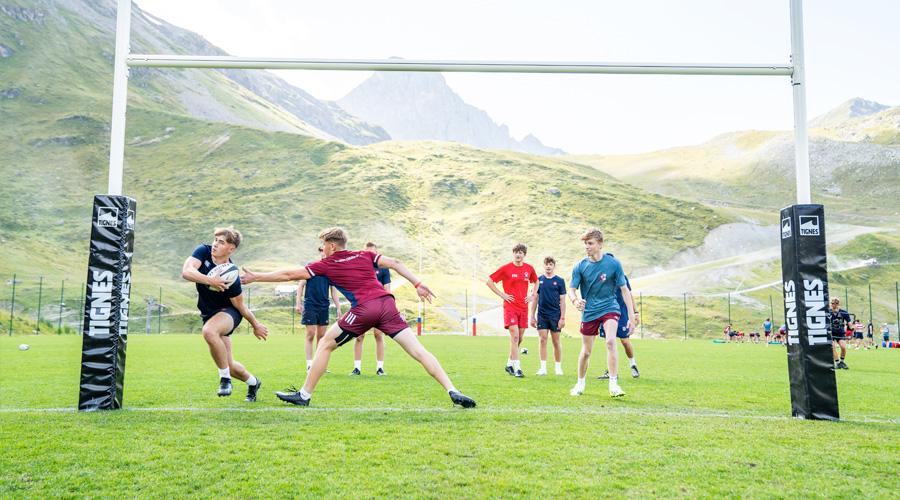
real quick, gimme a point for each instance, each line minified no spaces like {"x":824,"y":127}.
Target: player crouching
{"x":372,"y":307}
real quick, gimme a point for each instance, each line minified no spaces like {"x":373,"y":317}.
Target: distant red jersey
{"x":352,"y":273}
{"x":515,"y":282}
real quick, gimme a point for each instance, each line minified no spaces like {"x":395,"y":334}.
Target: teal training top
{"x":598,"y":282}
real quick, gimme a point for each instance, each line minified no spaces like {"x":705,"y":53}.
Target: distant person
{"x":623,"y":333}
{"x":312,"y":305}
{"x":858,"y":329}
{"x":753,"y":334}
{"x":730,"y":334}
{"x":840,"y":320}
{"x":782,"y":334}
{"x":548,"y":313}
{"x":767,"y":329}
{"x":372,"y":307}
{"x":870,"y":334}
{"x":885,"y":335}
{"x":515,"y":277}
{"x":222,"y":309}
{"x":384,"y":277}
{"x":598,"y":276}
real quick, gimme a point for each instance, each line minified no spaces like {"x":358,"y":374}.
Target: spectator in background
{"x":886,"y":334}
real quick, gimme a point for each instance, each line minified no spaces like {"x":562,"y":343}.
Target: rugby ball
{"x":524,"y":350}
{"x":227,"y":271}
{"x":23,"y":347}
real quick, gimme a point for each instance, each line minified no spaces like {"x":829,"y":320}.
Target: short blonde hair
{"x":593,"y":233}
{"x":372,"y":244}
{"x":231,"y":235}
{"x":336,"y":235}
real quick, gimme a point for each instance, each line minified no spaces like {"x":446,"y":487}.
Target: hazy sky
{"x":851,"y":51}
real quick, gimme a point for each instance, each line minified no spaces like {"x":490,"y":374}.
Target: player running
{"x":222,"y":309}
{"x":548,"y":313}
{"x":372,"y":307}
{"x":312,"y":304}
{"x":598,"y":276}
{"x":384,"y":277}
{"x":515,"y":277}
{"x":840,"y":319}
{"x":623,"y":333}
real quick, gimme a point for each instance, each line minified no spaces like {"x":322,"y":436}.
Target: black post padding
{"x":106,"y":304}
{"x":806,"y":313}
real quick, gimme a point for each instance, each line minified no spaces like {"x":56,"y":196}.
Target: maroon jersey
{"x":352,"y":273}
{"x":515,"y":282}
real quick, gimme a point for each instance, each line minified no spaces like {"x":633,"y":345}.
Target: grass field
{"x":704,"y":420}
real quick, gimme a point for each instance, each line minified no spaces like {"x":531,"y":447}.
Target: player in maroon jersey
{"x":515,"y":277}
{"x":371,"y":307}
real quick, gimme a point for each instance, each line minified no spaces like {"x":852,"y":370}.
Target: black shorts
{"x":234,"y":313}
{"x":314,"y":316}
{"x":548,"y":323}
{"x":857,"y":335}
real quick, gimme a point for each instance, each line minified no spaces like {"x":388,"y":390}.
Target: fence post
{"x":685,"y":312}
{"x":896,"y":292}
{"x":642,"y":314}
{"x":62,"y":296}
{"x":12,"y":306}
{"x":870,"y":305}
{"x":40,"y":293}
{"x":294,"y":309}
{"x":771,"y":310}
{"x":159,"y":314}
{"x":729,"y":308}
{"x":846,"y":300}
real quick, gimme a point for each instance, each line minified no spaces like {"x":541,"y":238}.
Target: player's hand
{"x":248,"y":277}
{"x":561,"y":324}
{"x":299,"y":308}
{"x":631,"y":323}
{"x":424,"y":292}
{"x":637,"y":320}
{"x":217,"y":282}
{"x":260,"y":331}
{"x":531,"y":298}
{"x":533,"y":322}
{"x":508,"y":298}
{"x":579,"y":304}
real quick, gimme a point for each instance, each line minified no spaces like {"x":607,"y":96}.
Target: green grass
{"x":704,"y":420}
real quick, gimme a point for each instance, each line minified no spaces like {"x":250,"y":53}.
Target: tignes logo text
{"x":786,"y":228}
{"x":809,"y":225}
{"x":108,"y":217}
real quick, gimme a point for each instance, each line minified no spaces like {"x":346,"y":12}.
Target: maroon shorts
{"x":378,"y":313}
{"x":592,"y":328}
{"x":513,"y":316}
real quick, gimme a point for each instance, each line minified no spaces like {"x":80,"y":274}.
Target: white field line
{"x":536,"y":411}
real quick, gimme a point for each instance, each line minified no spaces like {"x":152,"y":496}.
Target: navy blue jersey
{"x":315,"y":295}
{"x":383,"y":275}
{"x":838,"y":320}
{"x":623,"y":309}
{"x":549,"y":290}
{"x":211,"y":300}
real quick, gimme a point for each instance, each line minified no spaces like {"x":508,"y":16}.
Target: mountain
{"x":853,"y":167}
{"x":81,"y":33}
{"x":854,"y":108}
{"x":421,"y":106}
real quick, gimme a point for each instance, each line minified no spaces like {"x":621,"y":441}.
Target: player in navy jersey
{"x":840,"y":319}
{"x":371,"y":307}
{"x":598,"y":276}
{"x":623,"y":333}
{"x":222,"y":309}
{"x":548,"y":313}
{"x":384,"y":277}
{"x":312,"y":304}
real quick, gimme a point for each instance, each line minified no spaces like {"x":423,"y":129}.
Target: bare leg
{"x":542,"y":346}
{"x":379,"y":345}
{"x":237,"y":370}
{"x":320,"y":361}
{"x":213,"y":332}
{"x":513,"y":342}
{"x":311,"y":331}
{"x":414,"y":348}
{"x":557,"y":347}
{"x":587,"y":345}
{"x":358,"y":347}
{"x":629,"y":349}
{"x":612,"y":350}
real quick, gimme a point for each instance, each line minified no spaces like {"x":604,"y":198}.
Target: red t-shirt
{"x":351,"y":271}
{"x":515,"y":282}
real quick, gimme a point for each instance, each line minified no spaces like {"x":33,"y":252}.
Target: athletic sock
{"x":304,"y":394}
{"x":631,"y":360}
{"x":613,"y":381}
{"x":559,"y":365}
{"x":308,"y":363}
{"x":451,"y":390}
{"x":516,"y":365}
{"x":544,"y":366}
{"x":225,"y":372}
{"x":509,"y":362}
{"x":357,"y":364}
{"x":380,"y":365}
{"x":252,"y":380}
{"x":581,"y":382}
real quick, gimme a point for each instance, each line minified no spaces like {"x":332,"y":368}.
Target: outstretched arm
{"x":424,"y":292}
{"x":283,"y":275}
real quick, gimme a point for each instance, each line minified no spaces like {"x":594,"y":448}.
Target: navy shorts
{"x":548,"y":323}
{"x":314,"y":316}
{"x":857,"y":335}
{"x":234,"y":313}
{"x":622,"y":331}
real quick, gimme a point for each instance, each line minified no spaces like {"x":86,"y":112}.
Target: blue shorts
{"x":312,"y":316}
{"x":857,"y":335}
{"x":234,"y":313}
{"x":548,"y":323}
{"x":622,"y":332}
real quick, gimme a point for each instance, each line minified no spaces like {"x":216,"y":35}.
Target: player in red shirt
{"x":515,"y":277}
{"x":371,"y":307}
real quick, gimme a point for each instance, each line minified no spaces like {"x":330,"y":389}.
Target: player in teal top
{"x":598,"y":276}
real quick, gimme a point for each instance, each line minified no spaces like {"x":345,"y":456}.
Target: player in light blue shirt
{"x":597,"y":277}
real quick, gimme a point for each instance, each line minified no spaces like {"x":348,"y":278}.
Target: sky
{"x":851,"y":50}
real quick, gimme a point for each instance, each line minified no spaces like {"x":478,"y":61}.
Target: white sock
{"x":380,"y":365}
{"x":451,"y":389}
{"x":613,"y":381}
{"x":357,"y":364}
{"x":225,"y":372}
{"x":252,"y":380}
{"x":509,"y":362}
{"x":559,"y":365}
{"x":544,"y":366}
{"x":631,"y":360}
{"x":304,"y":394}
{"x":308,"y":363}
{"x":516,"y":365}
{"x":580,"y":382}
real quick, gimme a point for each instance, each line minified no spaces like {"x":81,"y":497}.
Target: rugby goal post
{"x":795,"y":68}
